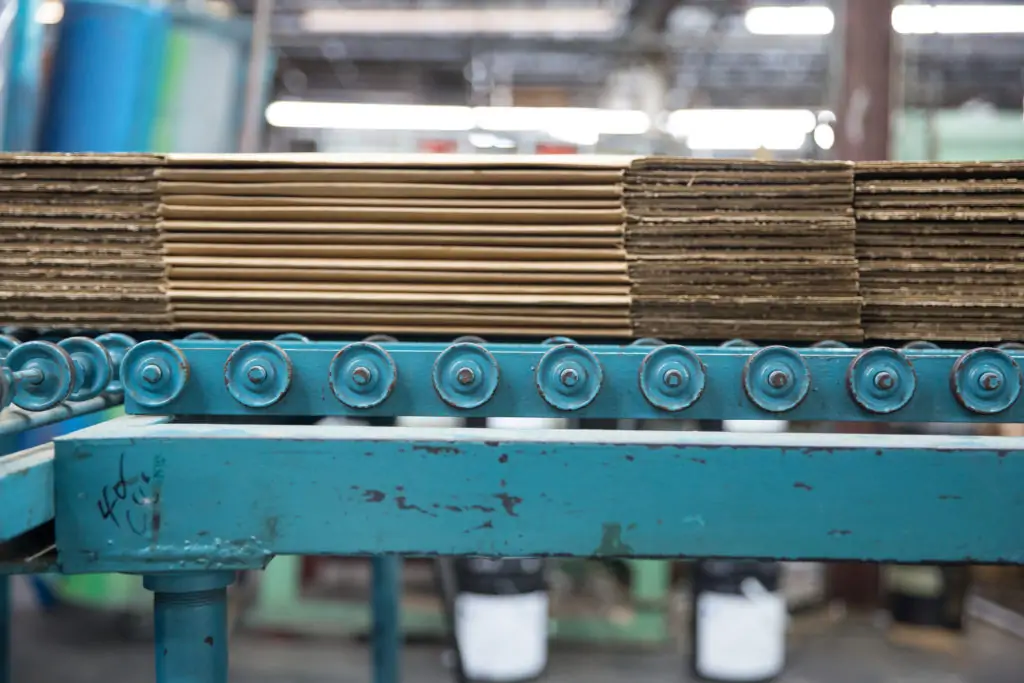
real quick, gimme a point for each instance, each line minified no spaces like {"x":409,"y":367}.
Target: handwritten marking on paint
{"x":128,"y":501}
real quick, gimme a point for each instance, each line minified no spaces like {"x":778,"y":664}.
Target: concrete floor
{"x":81,"y":647}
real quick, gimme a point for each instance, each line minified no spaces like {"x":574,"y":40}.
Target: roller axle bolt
{"x":152,"y":373}
{"x":778,"y":379}
{"x":884,"y":381}
{"x":569,"y":377}
{"x":465,"y":376}
{"x":361,"y":375}
{"x":673,"y":378}
{"x":990,"y":381}
{"x":257,"y":374}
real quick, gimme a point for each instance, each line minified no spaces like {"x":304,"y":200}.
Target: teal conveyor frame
{"x":217,"y":468}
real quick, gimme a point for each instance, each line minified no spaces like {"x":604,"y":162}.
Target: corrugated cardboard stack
{"x":731,"y":248}
{"x":79,"y":242}
{"x":445,"y":245}
{"x":941,"y":249}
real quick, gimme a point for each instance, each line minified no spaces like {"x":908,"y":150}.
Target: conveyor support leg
{"x":387,"y":632}
{"x":190,"y":624}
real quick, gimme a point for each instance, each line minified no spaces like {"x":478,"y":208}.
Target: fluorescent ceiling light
{"x":586,"y":123}
{"x":824,"y":136}
{"x":796,"y":20}
{"x":600,"y":121}
{"x":481,"y":20}
{"x":958,"y":19}
{"x":742,"y":129}
{"x":50,"y":12}
{"x":285,"y":114}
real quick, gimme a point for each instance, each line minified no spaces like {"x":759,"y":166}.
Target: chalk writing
{"x":128,"y":500}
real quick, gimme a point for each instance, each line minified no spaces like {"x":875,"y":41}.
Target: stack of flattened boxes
{"x":735,"y":248}
{"x":80,"y":243}
{"x":941,"y":250}
{"x":404,"y":245}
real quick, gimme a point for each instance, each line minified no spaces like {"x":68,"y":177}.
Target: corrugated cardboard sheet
{"x":724,"y":248}
{"x":502,"y":245}
{"x":941,"y":250}
{"x":79,"y":242}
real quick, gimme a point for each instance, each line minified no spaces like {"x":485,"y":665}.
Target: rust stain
{"x":438,"y":450}
{"x":486,"y":525}
{"x":503,"y":458}
{"x":879,"y":453}
{"x":630,"y":458}
{"x":699,"y":461}
{"x":373,"y":496}
{"x":502,"y":483}
{"x":453,"y":508}
{"x":509,"y":503}
{"x":492,"y":443}
{"x":840,"y":532}
{"x":801,"y":485}
{"x":403,"y":504}
{"x":208,"y":640}
{"x":481,"y":508}
{"x":950,"y":497}
{"x":270,"y":526}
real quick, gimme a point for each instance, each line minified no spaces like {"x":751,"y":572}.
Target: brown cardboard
{"x":387,"y":190}
{"x":288,"y":250}
{"x":383,"y":213}
{"x":439,"y":227}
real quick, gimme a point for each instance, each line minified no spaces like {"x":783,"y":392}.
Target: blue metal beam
{"x":134,"y":495}
{"x":927,"y":377}
{"x":26,"y":491}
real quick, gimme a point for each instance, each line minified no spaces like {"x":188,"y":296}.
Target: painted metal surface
{"x":465,"y":375}
{"x":93,"y":367}
{"x":16,"y":421}
{"x":26,"y":491}
{"x":155,"y":373}
{"x":132,"y":496}
{"x":190,"y":626}
{"x":386,"y":637}
{"x":324,"y":383}
{"x":258,"y":374}
{"x":38,"y":376}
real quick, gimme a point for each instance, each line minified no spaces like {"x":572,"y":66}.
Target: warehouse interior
{"x":817,"y":204}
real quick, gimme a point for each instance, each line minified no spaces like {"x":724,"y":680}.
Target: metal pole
{"x":862,"y":121}
{"x":190,"y":619}
{"x":24,"y":67}
{"x":16,"y":421}
{"x":387,"y":582}
{"x":251,"y":120}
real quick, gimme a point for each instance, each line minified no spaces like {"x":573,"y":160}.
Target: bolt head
{"x":465,"y":376}
{"x":990,"y":381}
{"x":569,"y":377}
{"x":778,"y":379}
{"x":673,"y":378}
{"x":884,"y":380}
{"x":361,"y":375}
{"x":257,"y":374}
{"x":151,"y":373}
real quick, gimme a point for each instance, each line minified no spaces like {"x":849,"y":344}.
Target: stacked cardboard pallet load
{"x":405,"y":245}
{"x":79,"y":242}
{"x":728,"y":248}
{"x":941,"y":249}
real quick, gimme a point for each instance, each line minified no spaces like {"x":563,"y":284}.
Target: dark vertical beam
{"x":863,"y":114}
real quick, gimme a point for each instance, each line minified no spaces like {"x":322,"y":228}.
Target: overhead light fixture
{"x":356,"y":116}
{"x":584,"y":122}
{"x":794,"y":20}
{"x":958,"y":19}
{"x":480,"y":20}
{"x":50,"y":12}
{"x":824,"y":136}
{"x":742,"y":129}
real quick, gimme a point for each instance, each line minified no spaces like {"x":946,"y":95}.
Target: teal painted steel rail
{"x":145,"y":497}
